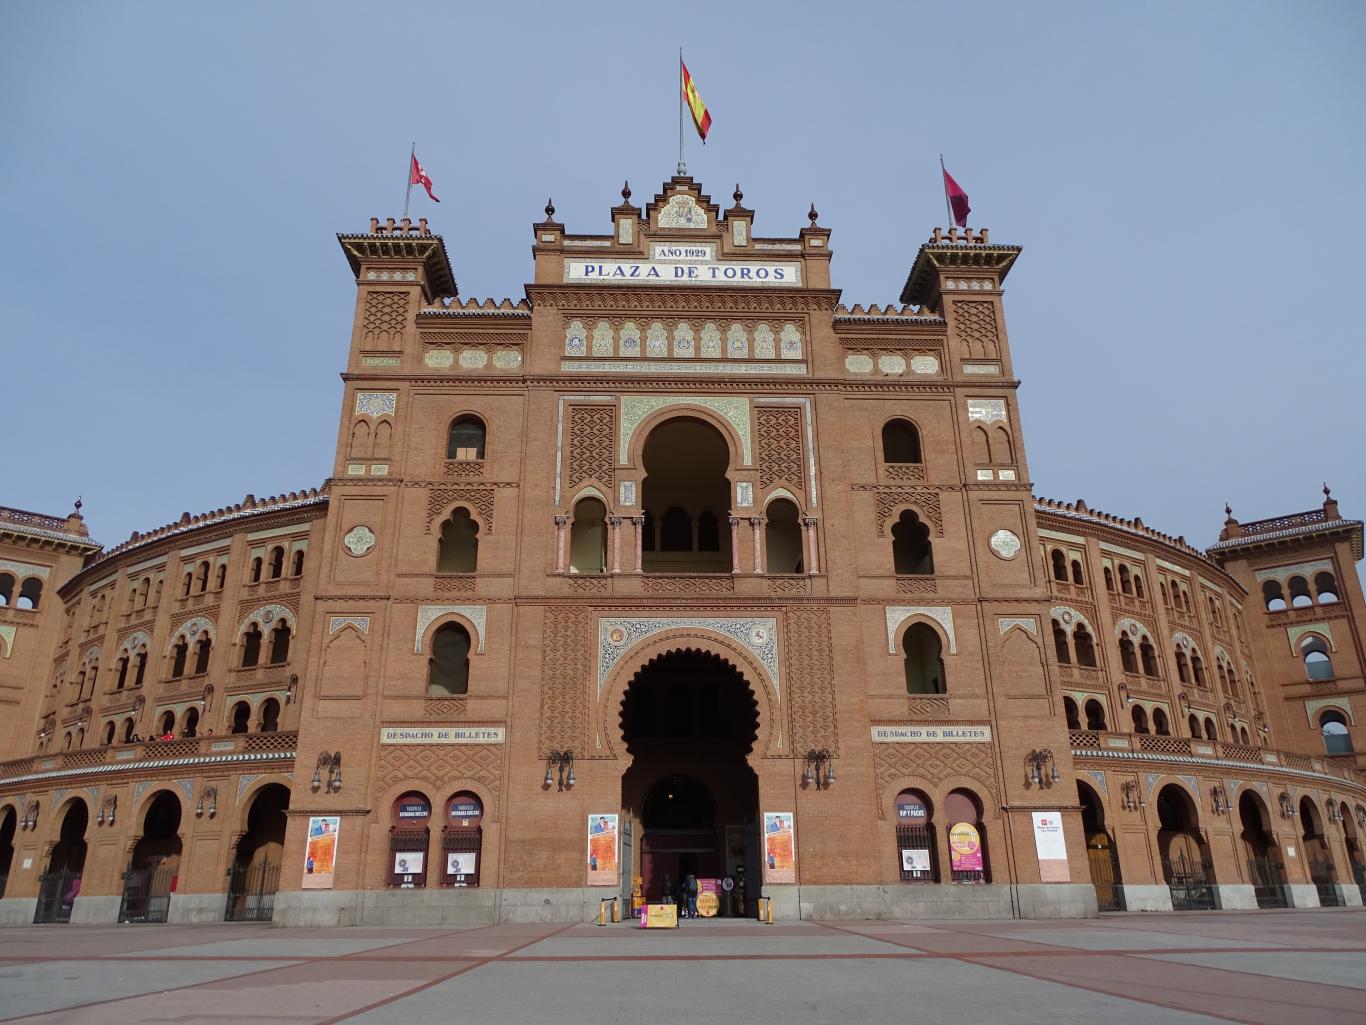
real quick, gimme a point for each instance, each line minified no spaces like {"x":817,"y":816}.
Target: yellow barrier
{"x":766,"y":910}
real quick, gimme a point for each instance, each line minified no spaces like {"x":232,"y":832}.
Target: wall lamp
{"x":1361,"y":816}
{"x":559,"y":769}
{"x":1043,"y":771}
{"x":1287,"y":805}
{"x":209,"y":794}
{"x":30,"y":819}
{"x":1218,"y":799}
{"x":332,"y":763}
{"x":1333,"y":811}
{"x":820,"y":769}
{"x":1131,"y":795}
{"x":108,"y":810}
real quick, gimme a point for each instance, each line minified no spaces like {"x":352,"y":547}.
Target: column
{"x":754,"y":525}
{"x":639,"y":521}
{"x":813,"y":561}
{"x":735,"y":545}
{"x":615,"y":522}
{"x":560,"y":523}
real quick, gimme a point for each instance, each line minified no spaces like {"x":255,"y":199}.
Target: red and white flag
{"x":419,"y":177}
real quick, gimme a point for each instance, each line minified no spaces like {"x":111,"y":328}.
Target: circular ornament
{"x":758,"y":635}
{"x":616,"y":636}
{"x":1005,"y":544}
{"x":359,"y":540}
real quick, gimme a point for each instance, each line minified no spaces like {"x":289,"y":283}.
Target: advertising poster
{"x":780,"y":848}
{"x":602,"y":850}
{"x":320,"y":856}
{"x":408,"y":863}
{"x":965,"y":847}
{"x":659,"y":916}
{"x":1051,"y":847}
{"x":708,"y":897}
{"x":915,"y":859}
{"x":461,"y":863}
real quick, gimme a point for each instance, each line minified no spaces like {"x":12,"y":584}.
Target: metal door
{"x":251,"y":892}
{"x":56,"y":895}
{"x":147,"y":894}
{"x":1189,"y":882}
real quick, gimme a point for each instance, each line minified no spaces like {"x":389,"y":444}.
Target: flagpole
{"x":943,"y":179}
{"x":682,"y":167}
{"x":412,"y":155}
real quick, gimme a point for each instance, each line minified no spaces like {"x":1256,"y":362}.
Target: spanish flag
{"x":701,"y":117}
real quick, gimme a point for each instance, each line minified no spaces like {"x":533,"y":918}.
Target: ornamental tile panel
{"x":759,"y":636}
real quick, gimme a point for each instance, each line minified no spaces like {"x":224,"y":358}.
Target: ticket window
{"x":409,"y":837}
{"x":917,"y":858}
{"x":462,"y":839}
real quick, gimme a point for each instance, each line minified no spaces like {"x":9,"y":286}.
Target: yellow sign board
{"x":708,"y":905}
{"x":661,"y":916}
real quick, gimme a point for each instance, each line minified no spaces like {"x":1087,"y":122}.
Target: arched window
{"x":251,"y":647}
{"x":202,"y":649}
{"x":179,"y":654}
{"x":647,"y":530}
{"x":221,"y":577}
{"x":912,"y":552}
{"x":1138,"y":586}
{"x":1086,"y":647}
{"x":1162,"y":590}
{"x":448,"y":669}
{"x":298,"y":570}
{"x":279,"y":643}
{"x":1060,"y":644}
{"x":924,"y":661}
{"x":277,"y":563}
{"x":6,"y":589}
{"x":1126,"y":582}
{"x":1317,"y":664}
{"x":190,"y":728}
{"x":241,"y":717}
{"x":1109,"y":578}
{"x":108,"y":733}
{"x":128,"y":734}
{"x":458,"y":550}
{"x":1299,"y":593}
{"x":31,"y":593}
{"x":1273,"y":596}
{"x":1059,"y":565}
{"x":588,"y":537}
{"x":1161,"y":726}
{"x":1210,"y":732}
{"x":466,"y":438}
{"x":1327,"y":587}
{"x":1223,"y":676}
{"x":202,"y":577}
{"x":270,"y":716}
{"x":123,"y":673}
{"x":1148,"y":654}
{"x":1198,"y":670}
{"x":900,"y":442}
{"x":1232,"y":681}
{"x":708,"y":532}
{"x":1140,"y":717}
{"x":1078,"y":577}
{"x":1186,"y":600}
{"x":967,"y":860}
{"x":144,"y":589}
{"x":1069,"y":708}
{"x":1128,"y":657}
{"x":187,"y":584}
{"x":1095,"y":715}
{"x":1336,"y":738}
{"x":167,"y":725}
{"x":256,"y":565}
{"x":1194,"y":724}
{"x":1182,"y":667}
{"x":675,"y":533}
{"x":782,"y":538}
{"x":915,"y":840}
{"x":140,"y":665}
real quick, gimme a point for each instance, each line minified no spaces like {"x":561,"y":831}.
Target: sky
{"x":1185,"y":179}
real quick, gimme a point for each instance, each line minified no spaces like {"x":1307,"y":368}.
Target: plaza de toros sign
{"x":945,"y":733}
{"x":685,"y":263}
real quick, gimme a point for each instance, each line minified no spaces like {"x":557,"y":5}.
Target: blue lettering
{"x":779,"y":274}
{"x":729,"y":272}
{"x":692,"y":272}
{"x":744,"y":273}
{"x":589,"y":269}
{"x":680,"y":272}
{"x":761,"y":273}
{"x":654,"y":272}
{"x":635,"y":270}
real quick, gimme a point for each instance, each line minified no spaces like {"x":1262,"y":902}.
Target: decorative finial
{"x":1228,"y":510}
{"x":1327,"y":493}
{"x":79,"y":504}
{"x":738,"y":194}
{"x":626,"y":192}
{"x":811,"y":215}
{"x":550,"y":209}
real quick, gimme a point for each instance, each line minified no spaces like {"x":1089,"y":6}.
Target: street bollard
{"x":616,"y":910}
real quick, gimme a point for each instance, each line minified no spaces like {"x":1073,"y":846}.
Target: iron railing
{"x":56,"y":894}
{"x":147,"y":894}
{"x":1190,"y":884}
{"x":251,"y":892}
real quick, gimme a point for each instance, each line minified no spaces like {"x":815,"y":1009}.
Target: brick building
{"x":676,"y":565}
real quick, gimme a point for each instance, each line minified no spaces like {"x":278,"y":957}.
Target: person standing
{"x":690,"y":887}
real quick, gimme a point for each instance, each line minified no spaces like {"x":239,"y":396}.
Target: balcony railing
{"x":1213,"y":750}
{"x":152,"y":750}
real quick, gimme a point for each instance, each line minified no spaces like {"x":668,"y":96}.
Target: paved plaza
{"x":1307,"y":967}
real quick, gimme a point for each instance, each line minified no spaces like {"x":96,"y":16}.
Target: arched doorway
{"x":1264,"y":866}
{"x":1100,"y":851}
{"x":254,"y":875}
{"x":1186,"y":864}
{"x":61,"y":883}
{"x":152,"y":870}
{"x":1353,"y":844}
{"x":689,"y":721}
{"x":1320,"y":858}
{"x":8,"y":822}
{"x":686,"y":499}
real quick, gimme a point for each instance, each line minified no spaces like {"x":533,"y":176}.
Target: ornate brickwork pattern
{"x":812,"y":722}
{"x":478,"y":499}
{"x":976,"y":322}
{"x":635,"y":408}
{"x":454,"y":584}
{"x":703,"y":584}
{"x":928,"y":708}
{"x":385,"y":315}
{"x":933,"y":763}
{"x":904,"y":471}
{"x":941,"y":614}
{"x":463,"y":469}
{"x":779,"y":431}
{"x":923,"y":500}
{"x":916,"y":585}
{"x":591,"y":431}
{"x":444,"y":708}
{"x":440,"y":765}
{"x":428,"y":614}
{"x":566,"y":669}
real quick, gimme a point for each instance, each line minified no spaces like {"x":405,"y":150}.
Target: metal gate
{"x":56,"y":894}
{"x":1268,"y":882}
{"x":251,"y":892}
{"x":1190,"y":884}
{"x":1325,"y":881}
{"x":147,"y":894}
{"x":1100,"y":855}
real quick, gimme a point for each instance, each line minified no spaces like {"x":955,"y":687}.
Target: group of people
{"x":684,"y":895}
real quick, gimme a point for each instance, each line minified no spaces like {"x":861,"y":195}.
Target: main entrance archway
{"x":689,"y":721}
